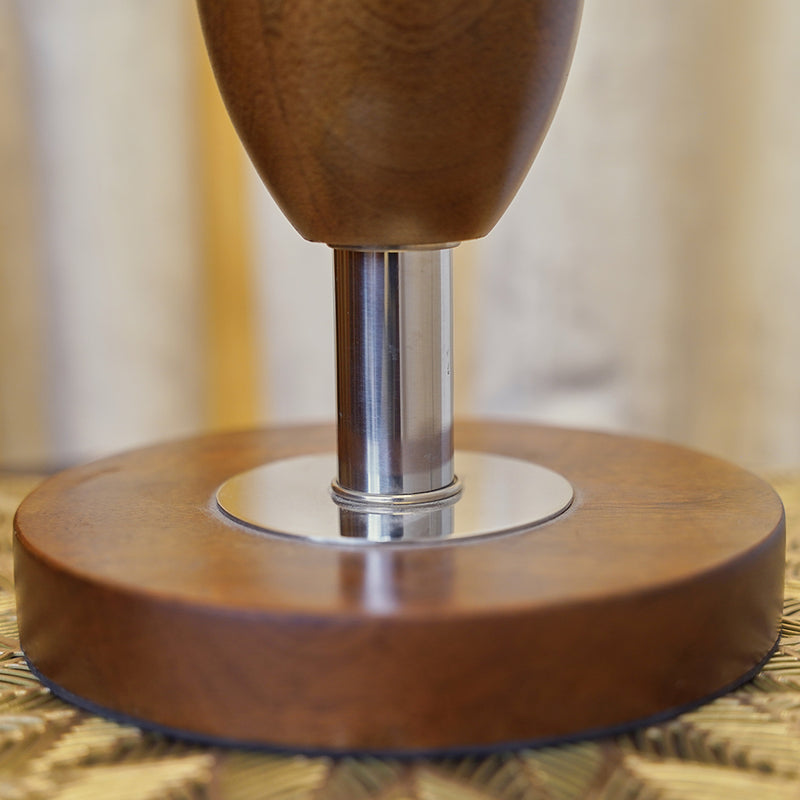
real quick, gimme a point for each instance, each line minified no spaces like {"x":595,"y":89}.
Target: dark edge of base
{"x":443,"y":752}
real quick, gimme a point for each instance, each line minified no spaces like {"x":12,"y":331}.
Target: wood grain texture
{"x":137,"y":595}
{"x":403,"y":123}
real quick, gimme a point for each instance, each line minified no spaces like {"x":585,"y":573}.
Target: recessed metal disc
{"x":292,"y":497}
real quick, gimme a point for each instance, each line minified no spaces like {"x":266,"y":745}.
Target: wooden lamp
{"x":400,"y":585}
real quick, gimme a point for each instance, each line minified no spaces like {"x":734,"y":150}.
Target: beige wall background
{"x":645,"y":279}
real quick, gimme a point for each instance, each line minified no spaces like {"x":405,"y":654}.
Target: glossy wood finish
{"x":135,"y":594}
{"x":401,"y":123}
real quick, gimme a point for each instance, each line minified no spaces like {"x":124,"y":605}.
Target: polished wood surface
{"x":137,"y":595}
{"x":403,"y":123}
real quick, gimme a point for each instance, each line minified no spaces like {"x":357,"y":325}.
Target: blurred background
{"x":644,"y":280}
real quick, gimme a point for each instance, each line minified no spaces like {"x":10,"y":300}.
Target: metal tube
{"x":394,"y":375}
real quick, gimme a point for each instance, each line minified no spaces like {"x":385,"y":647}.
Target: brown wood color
{"x":391,"y":123}
{"x":660,"y":586}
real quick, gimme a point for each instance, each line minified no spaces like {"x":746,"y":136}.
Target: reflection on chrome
{"x":394,"y":345}
{"x":419,"y":526}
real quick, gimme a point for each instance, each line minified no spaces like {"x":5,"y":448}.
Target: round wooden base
{"x":660,"y":586}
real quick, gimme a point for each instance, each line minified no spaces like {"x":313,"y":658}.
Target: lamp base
{"x":139,"y":597}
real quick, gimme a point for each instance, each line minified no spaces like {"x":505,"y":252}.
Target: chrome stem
{"x":394,"y":346}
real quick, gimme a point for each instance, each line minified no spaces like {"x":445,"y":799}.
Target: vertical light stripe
{"x":464,"y":268}
{"x":116,"y":222}
{"x":24,"y":434}
{"x":227,"y":259}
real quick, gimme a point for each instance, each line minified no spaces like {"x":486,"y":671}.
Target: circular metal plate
{"x":292,"y":497}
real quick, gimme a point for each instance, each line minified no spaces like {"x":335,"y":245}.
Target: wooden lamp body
{"x":382,"y":124}
{"x":387,"y":124}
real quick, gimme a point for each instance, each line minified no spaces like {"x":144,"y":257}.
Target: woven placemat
{"x":745,"y":745}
